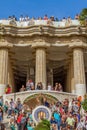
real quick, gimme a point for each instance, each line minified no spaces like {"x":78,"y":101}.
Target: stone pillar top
{"x":5,"y":45}
{"x":40,"y":45}
{"x":78,"y":45}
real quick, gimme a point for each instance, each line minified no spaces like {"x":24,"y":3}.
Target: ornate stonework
{"x":44,"y":46}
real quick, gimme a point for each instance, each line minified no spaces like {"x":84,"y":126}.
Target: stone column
{"x":72,"y":77}
{"x":79,"y":72}
{"x":11,"y":80}
{"x":28,"y":74}
{"x":3,"y":69}
{"x":41,"y":66}
{"x":50,"y":76}
{"x":68,"y":79}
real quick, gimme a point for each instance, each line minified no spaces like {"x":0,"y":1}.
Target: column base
{"x":2,"y":89}
{"x":80,"y":89}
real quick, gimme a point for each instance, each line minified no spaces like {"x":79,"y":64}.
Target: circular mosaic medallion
{"x":41,"y":112}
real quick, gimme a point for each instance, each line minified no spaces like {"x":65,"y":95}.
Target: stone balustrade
{"x":40,"y":22}
{"x":24,"y":95}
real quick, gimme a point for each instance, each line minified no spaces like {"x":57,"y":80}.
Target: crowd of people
{"x":39,"y":86}
{"x":27,"y":18}
{"x":27,"y":21}
{"x":66,"y":115}
{"x":30,"y":86}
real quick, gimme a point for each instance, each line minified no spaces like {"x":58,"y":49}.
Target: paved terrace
{"x":40,"y":22}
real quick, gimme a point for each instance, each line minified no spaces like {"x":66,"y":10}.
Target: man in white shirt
{"x":49,"y":87}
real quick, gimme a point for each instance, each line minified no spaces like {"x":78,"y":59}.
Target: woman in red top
{"x":8,"y":89}
{"x":19,"y":117}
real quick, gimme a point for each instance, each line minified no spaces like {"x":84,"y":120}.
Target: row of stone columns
{"x":76,"y":70}
{"x":4,"y":68}
{"x":78,"y":76}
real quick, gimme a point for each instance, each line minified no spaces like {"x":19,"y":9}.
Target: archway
{"x":38,"y":99}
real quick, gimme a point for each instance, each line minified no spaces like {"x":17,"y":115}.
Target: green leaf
{"x":43,"y":125}
{"x":83,"y":16}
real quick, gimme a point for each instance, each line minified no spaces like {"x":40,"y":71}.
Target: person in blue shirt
{"x":57,"y":118}
{"x":29,"y":127}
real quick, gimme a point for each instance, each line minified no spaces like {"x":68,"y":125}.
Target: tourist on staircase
{"x":39,"y":86}
{"x":49,"y":87}
{"x":57,"y":118}
{"x":22,"y":88}
{"x":8,"y":89}
{"x":29,"y":84}
{"x":1,"y":114}
{"x":19,"y":117}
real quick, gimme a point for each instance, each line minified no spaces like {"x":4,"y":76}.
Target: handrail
{"x":40,"y":22}
{"x":23,"y":95}
{"x":41,"y":91}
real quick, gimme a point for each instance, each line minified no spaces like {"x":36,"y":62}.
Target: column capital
{"x":5,"y":45}
{"x":78,"y":45}
{"x":40,"y":45}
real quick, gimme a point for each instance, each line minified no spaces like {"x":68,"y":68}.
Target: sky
{"x":38,"y":8}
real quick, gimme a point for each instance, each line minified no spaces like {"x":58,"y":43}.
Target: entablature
{"x":41,"y":30}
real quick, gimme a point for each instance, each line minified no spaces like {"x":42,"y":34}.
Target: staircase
{"x":32,"y":93}
{"x":33,"y":99}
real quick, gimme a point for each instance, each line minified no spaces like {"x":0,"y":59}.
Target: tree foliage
{"x":84,"y":104}
{"x":83,"y":16}
{"x":43,"y":125}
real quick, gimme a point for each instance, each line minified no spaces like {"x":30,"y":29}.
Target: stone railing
{"x":40,"y":22}
{"x":23,"y":95}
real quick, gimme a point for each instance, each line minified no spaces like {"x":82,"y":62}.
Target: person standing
{"x":8,"y":89}
{"x":49,"y":87}
{"x":19,"y":117}
{"x":1,"y":114}
{"x":22,"y":88}
{"x":57,"y":118}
